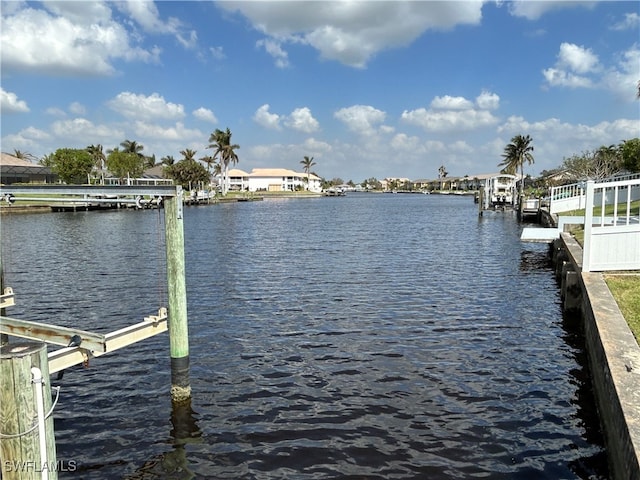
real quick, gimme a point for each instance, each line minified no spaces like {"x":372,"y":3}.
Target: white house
{"x":272,"y":180}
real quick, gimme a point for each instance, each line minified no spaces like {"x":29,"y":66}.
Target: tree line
{"x":91,"y":164}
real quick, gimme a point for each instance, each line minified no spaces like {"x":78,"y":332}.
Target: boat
{"x":334,"y":192}
{"x":500,"y":190}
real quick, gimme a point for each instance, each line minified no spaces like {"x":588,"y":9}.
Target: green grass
{"x":608,"y":210}
{"x":626,"y":290}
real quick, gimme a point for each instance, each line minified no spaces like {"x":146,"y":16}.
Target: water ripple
{"x":395,"y":336}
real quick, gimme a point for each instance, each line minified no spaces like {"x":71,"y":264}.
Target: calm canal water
{"x":369,"y":336}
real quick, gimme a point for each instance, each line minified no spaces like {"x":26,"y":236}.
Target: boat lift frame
{"x":79,"y":345}
{"x":93,"y":344}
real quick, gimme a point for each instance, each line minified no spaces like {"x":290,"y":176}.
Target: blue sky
{"x":369,"y":89}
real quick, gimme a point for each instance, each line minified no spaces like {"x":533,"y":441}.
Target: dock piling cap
{"x":19,"y":349}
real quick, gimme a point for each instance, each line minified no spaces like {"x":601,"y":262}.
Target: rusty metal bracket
{"x":150,"y":326}
{"x":47,"y":333}
{"x":162,"y":315}
{"x":7,"y":299}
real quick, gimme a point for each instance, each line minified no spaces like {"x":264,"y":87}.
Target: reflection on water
{"x":369,"y":336}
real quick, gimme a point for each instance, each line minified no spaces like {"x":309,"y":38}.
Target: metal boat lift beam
{"x":70,"y":356}
{"x":50,"y":333}
{"x":92,"y":190}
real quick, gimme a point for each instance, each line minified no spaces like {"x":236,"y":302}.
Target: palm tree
{"x":217,"y":169}
{"x":225,"y":152}
{"x":131,"y":146}
{"x":307,"y":163}
{"x":515,"y":154}
{"x":150,"y":161}
{"x":99,"y":159}
{"x":442,"y":174}
{"x":23,"y":155}
{"x":167,"y":161}
{"x":209,"y":160}
{"x":188,"y":154}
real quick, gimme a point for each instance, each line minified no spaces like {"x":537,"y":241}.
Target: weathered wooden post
{"x":177,"y":293}
{"x":3,"y":337}
{"x":27,"y":443}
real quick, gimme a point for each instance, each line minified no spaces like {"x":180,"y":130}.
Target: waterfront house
{"x":19,"y":170}
{"x":272,"y":180}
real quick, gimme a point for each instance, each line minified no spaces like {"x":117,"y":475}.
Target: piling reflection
{"x":174,"y":465}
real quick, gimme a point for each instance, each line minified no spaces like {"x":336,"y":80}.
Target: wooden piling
{"x":3,"y":337}
{"x":177,"y":294}
{"x":20,"y":451}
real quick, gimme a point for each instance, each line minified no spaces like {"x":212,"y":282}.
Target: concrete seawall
{"x":613,"y":352}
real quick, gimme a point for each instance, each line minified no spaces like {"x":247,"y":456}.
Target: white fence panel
{"x":567,"y":197}
{"x":612,"y":242}
{"x":572,"y":197}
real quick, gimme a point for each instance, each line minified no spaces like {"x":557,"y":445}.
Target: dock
{"x":539,"y":234}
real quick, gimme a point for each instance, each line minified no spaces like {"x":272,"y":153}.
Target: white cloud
{"x":561,"y":78}
{"x":152,"y":107}
{"x":460,"y":146}
{"x":405,"y":143}
{"x":274,"y":48}
{"x":631,"y":21}
{"x":205,"y":115}
{"x":451,"y":103}
{"x":579,"y":67}
{"x":622,"y":78}
{"x":302,"y":120}
{"x":30,"y":139}
{"x":81,"y":128}
{"x":534,"y":10}
{"x":317,"y":147}
{"x":361,"y":119}
{"x":83,"y":13}
{"x":577,"y":58}
{"x":147,"y":16}
{"x":146,"y":130}
{"x":82,"y":42}
{"x":573,"y":65}
{"x":9,"y":103}
{"x":31,"y":134}
{"x":351,"y":32}
{"x":217,"y":53}
{"x":450,"y":120}
{"x":452,"y":114}
{"x":554,"y":140}
{"x":77,"y":108}
{"x":488,"y":101}
{"x":189,"y":41}
{"x":267,"y":120}
{"x":56,"y":112}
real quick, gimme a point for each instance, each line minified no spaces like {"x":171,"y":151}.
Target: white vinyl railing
{"x":612,"y":241}
{"x":572,"y":197}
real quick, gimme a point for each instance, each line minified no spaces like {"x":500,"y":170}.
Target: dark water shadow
{"x":595,"y":466}
{"x":174,"y":464}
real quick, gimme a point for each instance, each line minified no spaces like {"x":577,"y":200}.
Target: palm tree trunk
{"x":226,"y":179}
